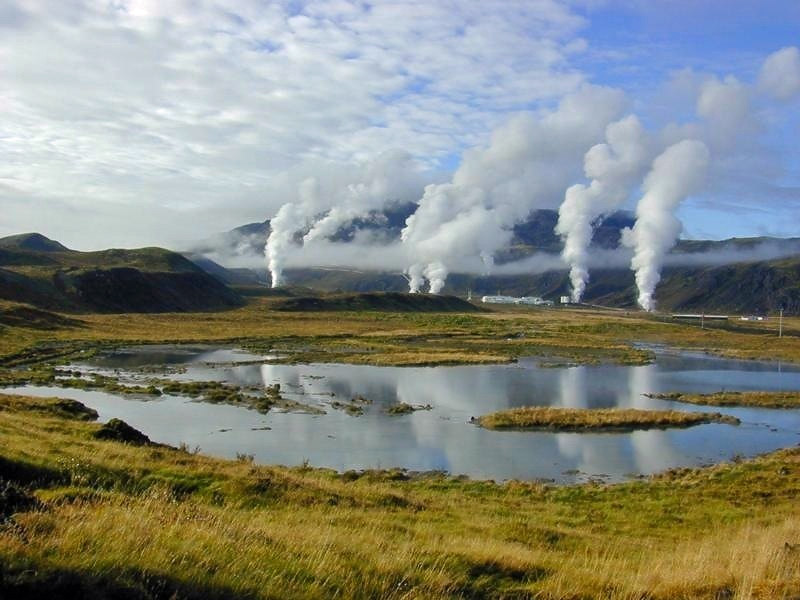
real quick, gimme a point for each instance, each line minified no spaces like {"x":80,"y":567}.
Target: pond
{"x":442,"y":438}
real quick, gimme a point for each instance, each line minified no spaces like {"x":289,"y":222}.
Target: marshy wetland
{"x":230,"y":402}
{"x":99,"y":516}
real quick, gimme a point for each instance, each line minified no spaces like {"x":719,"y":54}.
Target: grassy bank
{"x":756,"y":399}
{"x":105,"y":519}
{"x":596,"y":419}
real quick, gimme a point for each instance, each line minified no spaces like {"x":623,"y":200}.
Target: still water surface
{"x":443,"y":438}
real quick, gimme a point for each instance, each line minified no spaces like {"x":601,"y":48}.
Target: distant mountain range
{"x":42,"y":272}
{"x":751,"y":281}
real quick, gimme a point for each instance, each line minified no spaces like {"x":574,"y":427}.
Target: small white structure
{"x":498,"y":299}
{"x":530,"y":300}
{"x":564,"y":300}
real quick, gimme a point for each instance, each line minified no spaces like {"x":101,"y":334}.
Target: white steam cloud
{"x":284,"y":225}
{"x":676,"y":173}
{"x":612,"y":167}
{"x":335,"y":198}
{"x":526,"y":166}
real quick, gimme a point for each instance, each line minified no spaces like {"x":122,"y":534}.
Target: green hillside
{"x":42,"y":272}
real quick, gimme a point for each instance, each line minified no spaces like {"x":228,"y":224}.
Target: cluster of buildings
{"x":532,"y":300}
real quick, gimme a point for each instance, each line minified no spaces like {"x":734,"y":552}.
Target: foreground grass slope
{"x":105,"y":519}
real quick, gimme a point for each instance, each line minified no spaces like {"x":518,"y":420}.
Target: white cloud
{"x":780,"y":73}
{"x":202,"y":107}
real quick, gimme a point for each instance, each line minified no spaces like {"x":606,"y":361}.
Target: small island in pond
{"x":756,"y":399}
{"x":592,"y":419}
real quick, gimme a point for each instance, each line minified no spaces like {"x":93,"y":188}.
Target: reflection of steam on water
{"x":652,"y":450}
{"x":641,"y":381}
{"x":572,"y":388}
{"x":289,"y":380}
{"x":589,"y":451}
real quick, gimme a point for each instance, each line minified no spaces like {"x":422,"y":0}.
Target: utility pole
{"x":780,"y":323}
{"x":703,"y":320}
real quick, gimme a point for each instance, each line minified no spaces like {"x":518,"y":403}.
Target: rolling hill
{"x":42,"y":272}
{"x":376,"y":301}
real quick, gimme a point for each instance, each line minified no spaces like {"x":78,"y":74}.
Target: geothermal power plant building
{"x":532,"y":300}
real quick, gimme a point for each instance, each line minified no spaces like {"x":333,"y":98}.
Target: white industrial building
{"x":531,"y":300}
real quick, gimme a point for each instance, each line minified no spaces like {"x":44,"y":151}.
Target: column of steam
{"x":282,"y":229}
{"x":676,"y":173}
{"x":612,"y":168}
{"x":416,"y":279}
{"x":436,"y":274}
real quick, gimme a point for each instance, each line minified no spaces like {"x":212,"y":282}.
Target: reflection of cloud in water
{"x":594,"y":453}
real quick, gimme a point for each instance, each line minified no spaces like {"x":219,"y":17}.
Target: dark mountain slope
{"x":228,"y":276}
{"x":35,"y":242}
{"x":44,"y":273}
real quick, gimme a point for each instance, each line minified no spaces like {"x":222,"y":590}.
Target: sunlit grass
{"x":578,"y":419}
{"x":167,"y":522}
{"x":772,"y":399}
{"x":194,"y":526}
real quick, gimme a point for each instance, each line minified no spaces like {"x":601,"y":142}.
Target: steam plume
{"x":526,"y":166}
{"x":675,"y":174}
{"x":612,"y":168}
{"x":335,"y":197}
{"x":392,"y":175}
{"x":415,"y":278}
{"x":284,"y":225}
{"x":436,"y":273}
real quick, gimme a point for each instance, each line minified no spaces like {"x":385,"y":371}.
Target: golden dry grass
{"x":580,"y":336}
{"x":579,"y":419}
{"x":162,"y":521}
{"x":198,"y":527}
{"x":773,"y":399}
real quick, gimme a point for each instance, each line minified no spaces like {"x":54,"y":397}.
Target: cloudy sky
{"x":139,"y":122}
